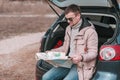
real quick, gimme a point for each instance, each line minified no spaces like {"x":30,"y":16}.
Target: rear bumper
{"x":107,"y":70}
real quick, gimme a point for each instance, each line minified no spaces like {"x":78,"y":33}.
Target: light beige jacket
{"x":86,"y":44}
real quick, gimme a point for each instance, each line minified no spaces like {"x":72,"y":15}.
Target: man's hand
{"x":76,"y":58}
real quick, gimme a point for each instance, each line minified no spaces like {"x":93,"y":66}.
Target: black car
{"x":105,"y":16}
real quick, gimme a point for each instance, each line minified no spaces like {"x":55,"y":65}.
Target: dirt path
{"x":15,"y":43}
{"x":20,"y":64}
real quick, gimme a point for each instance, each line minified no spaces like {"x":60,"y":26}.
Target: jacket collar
{"x":84,"y":24}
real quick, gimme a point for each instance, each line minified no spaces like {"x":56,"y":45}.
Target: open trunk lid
{"x":85,"y":3}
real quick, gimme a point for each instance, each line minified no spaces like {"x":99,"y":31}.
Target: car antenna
{"x":52,"y":8}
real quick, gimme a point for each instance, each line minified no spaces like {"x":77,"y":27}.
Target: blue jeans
{"x":61,"y":73}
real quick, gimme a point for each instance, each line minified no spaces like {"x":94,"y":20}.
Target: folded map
{"x":57,"y":59}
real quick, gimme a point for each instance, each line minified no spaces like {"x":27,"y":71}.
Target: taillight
{"x":107,"y":53}
{"x":110,"y":52}
{"x":58,"y":44}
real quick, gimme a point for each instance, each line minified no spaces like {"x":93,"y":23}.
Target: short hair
{"x":73,"y":8}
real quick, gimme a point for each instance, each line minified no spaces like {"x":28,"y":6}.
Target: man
{"x":80,"y":43}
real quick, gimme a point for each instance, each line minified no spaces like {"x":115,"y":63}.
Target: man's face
{"x":72,"y":18}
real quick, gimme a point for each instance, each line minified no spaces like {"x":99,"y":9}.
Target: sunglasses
{"x":69,"y":19}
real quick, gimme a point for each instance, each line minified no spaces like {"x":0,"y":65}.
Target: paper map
{"x":55,"y":58}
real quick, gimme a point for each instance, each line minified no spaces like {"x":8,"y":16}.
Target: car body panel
{"x":107,"y":70}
